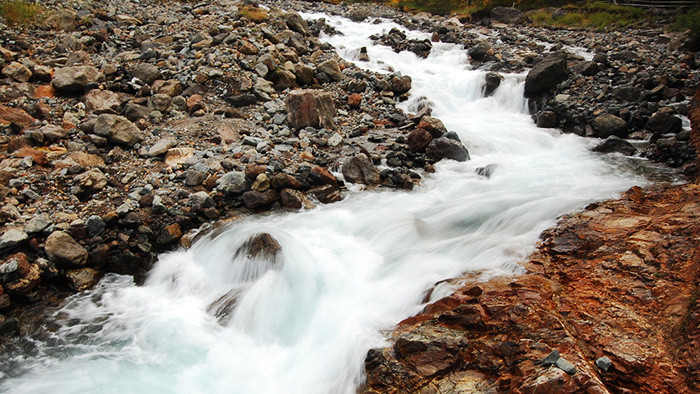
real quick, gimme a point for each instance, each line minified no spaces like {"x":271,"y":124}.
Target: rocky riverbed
{"x":129,"y":125}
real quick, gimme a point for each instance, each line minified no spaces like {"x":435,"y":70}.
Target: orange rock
{"x":44,"y":91}
{"x":19,"y":116}
{"x":39,"y":157}
{"x":354,"y":100}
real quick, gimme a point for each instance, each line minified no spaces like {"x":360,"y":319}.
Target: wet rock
{"x":118,"y":129}
{"x":433,"y":125}
{"x":480,"y":51}
{"x":326,"y":194}
{"x":615,"y":144}
{"x":261,"y":247}
{"x":418,"y":140}
{"x":295,"y":199}
{"x":400,"y":84}
{"x":75,"y":79}
{"x":607,"y":125}
{"x":359,"y":169}
{"x":447,"y":148}
{"x":82,"y":279}
{"x":310,"y":108}
{"x":546,"y":74}
{"x":63,"y":250}
{"x":547,"y":120}
{"x":492,"y":82}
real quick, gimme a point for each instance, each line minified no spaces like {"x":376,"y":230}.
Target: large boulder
{"x":62,"y":249}
{"x":615,"y":144}
{"x":330,"y":68}
{"x":75,"y":79}
{"x":418,"y":140}
{"x":359,"y":169}
{"x":447,"y":148}
{"x":118,"y":129}
{"x":146,"y":72}
{"x":546,"y":74}
{"x":606,"y":125}
{"x":507,"y":15}
{"x":664,"y":121}
{"x":310,"y":108}
{"x":296,"y":23}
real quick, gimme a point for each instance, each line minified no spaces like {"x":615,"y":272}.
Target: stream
{"x":347,"y":272}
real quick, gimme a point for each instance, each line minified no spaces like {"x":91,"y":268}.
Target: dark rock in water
{"x":547,"y":120}
{"x":418,"y":140}
{"x":359,"y":169}
{"x":507,"y":15}
{"x":486,"y":171}
{"x":421,"y":48}
{"x":358,"y":14}
{"x":447,"y":148}
{"x":615,"y":144}
{"x":606,"y":125}
{"x":260,"y":246}
{"x":493,"y":81}
{"x":294,"y":199}
{"x":223,"y":307}
{"x":664,"y":121}
{"x":546,"y":74}
{"x":310,"y":108}
{"x":433,"y":125}
{"x":9,"y":327}
{"x":452,"y":135}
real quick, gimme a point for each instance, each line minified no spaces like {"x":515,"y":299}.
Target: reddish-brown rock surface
{"x":619,"y":280}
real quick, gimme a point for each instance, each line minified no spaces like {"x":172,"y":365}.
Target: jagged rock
{"x":17,"y":71}
{"x":359,"y":169}
{"x":565,"y":366}
{"x":14,"y":115}
{"x":546,"y":74}
{"x":296,"y":23}
{"x":12,"y":238}
{"x":146,"y":72}
{"x":64,"y":19}
{"x":38,"y":223}
{"x":446,"y":148}
{"x":603,"y":363}
{"x":75,"y":79}
{"x":615,"y":144}
{"x":606,"y":125}
{"x":102,"y":101}
{"x":91,"y":181}
{"x":310,"y":108}
{"x":63,"y":250}
{"x":507,"y":15}
{"x":330,"y":68}
{"x":161,"y":147}
{"x":118,"y":129}
{"x":664,"y":121}
{"x":233,"y":182}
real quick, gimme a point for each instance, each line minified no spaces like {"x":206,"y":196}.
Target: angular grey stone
{"x":565,"y":366}
{"x":233,"y":182}
{"x":12,"y":237}
{"x":551,"y":358}
{"x":603,"y":363}
{"x":38,"y":223}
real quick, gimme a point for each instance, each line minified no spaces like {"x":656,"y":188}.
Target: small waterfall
{"x":290,"y":303}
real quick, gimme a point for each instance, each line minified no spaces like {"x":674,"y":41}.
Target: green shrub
{"x":542,"y":18}
{"x":21,"y":12}
{"x":690,"y":22}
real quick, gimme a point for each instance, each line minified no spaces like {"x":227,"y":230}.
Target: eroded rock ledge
{"x":613,"y":289}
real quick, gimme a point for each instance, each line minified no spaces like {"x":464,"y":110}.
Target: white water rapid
{"x":347,"y":272}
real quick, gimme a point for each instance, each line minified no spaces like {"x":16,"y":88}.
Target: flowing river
{"x":347,"y":272}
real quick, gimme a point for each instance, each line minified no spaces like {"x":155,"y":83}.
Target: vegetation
{"x":21,"y":12}
{"x":254,"y":13}
{"x":690,"y":22}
